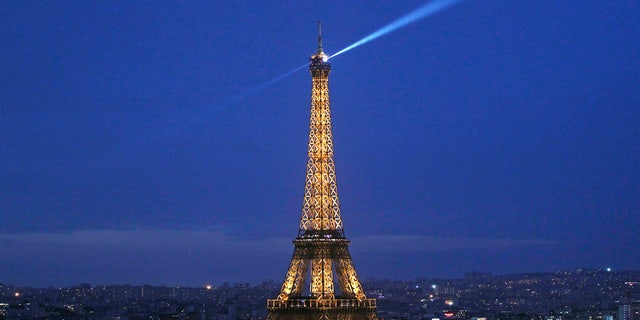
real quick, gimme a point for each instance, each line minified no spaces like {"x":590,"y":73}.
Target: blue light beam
{"x":411,"y":17}
{"x":238,"y":98}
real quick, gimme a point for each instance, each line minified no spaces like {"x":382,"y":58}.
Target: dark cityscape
{"x":580,"y":294}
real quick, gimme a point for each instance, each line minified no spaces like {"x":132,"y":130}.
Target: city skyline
{"x":596,"y":294}
{"x":488,"y":137}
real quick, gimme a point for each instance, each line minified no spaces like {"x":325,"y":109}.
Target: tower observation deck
{"x":321,"y":282}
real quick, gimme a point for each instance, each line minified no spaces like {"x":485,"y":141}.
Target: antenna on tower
{"x":319,"y":36}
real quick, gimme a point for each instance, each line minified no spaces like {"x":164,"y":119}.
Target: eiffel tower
{"x":321,"y":254}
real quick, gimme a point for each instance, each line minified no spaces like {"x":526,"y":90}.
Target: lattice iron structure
{"x":321,"y":254}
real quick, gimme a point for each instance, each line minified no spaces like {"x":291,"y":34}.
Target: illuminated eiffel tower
{"x":321,"y":255}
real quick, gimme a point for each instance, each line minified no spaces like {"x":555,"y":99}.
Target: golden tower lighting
{"x":321,"y":282}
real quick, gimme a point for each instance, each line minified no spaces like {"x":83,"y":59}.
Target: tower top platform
{"x":319,"y":60}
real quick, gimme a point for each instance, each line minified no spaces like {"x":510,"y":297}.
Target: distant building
{"x":625,"y":312}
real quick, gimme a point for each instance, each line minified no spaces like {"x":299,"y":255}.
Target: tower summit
{"x":320,"y":38}
{"x":318,"y":61}
{"x":321,"y":282}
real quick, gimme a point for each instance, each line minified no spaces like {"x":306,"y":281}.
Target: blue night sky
{"x":497,"y":136}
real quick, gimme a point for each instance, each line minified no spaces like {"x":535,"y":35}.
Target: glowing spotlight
{"x":413,"y":16}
